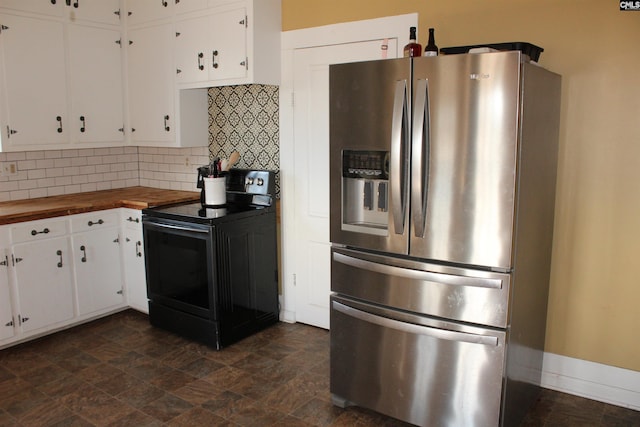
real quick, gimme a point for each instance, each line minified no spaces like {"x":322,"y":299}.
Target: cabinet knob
{"x":164,"y":3}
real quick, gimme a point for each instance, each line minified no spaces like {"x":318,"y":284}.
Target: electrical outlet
{"x":8,"y":168}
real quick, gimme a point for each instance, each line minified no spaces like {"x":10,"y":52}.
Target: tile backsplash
{"x":243,"y":118}
{"x":57,"y":172}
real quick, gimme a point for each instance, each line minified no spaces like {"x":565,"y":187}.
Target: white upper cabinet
{"x":98,"y":11}
{"x":212,"y":47}
{"x":34,"y":109}
{"x":46,"y":7}
{"x":60,"y":75}
{"x":143,"y":11}
{"x":151,"y":88}
{"x":95,"y":80}
{"x":232,"y":43}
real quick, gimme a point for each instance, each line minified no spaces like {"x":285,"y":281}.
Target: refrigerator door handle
{"x":411,"y":328}
{"x":429,"y":276}
{"x":420,"y":157}
{"x":399,"y":127}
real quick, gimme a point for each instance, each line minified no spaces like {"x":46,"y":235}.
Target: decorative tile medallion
{"x":245,"y":118}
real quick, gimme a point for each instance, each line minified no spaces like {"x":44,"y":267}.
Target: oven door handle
{"x":176,"y":227}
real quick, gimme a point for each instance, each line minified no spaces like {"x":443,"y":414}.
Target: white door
{"x":311,"y":169}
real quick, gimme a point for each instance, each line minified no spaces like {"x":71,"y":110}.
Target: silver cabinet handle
{"x":407,"y":273}
{"x":399,"y":126}
{"x":411,"y":328}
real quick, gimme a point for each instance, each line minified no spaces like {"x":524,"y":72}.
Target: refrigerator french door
{"x":442,"y":193}
{"x":446,"y":133}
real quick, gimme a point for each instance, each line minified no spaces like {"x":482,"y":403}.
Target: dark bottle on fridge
{"x":431,"y":49}
{"x":412,"y":48}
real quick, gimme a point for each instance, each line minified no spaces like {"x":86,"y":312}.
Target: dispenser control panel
{"x":365,"y":164}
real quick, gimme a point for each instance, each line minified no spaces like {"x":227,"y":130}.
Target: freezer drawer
{"x":461,"y":294}
{"x":417,"y":369}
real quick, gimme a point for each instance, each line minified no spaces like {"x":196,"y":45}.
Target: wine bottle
{"x":412,"y":48}
{"x":431,"y":49}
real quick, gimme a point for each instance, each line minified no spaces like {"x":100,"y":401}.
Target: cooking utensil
{"x":233,"y":159}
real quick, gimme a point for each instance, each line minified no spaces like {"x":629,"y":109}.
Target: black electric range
{"x":212,"y":272}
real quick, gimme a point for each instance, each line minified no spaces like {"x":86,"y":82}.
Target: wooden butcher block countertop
{"x":69,"y":204}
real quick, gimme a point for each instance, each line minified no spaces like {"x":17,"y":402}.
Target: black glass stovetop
{"x":197,"y":213}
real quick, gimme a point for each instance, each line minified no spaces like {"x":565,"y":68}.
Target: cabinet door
{"x":33,"y":65}
{"x":95,"y":71}
{"x":134,"y":269}
{"x":151,"y":84}
{"x":6,"y":314}
{"x":98,"y":270}
{"x":102,"y":11}
{"x":148,"y":10}
{"x":43,"y":278}
{"x":47,"y":7}
{"x":228,"y":45}
{"x":193,"y":57}
{"x":184,"y":6}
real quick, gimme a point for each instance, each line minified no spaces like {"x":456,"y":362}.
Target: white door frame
{"x":351,"y":32}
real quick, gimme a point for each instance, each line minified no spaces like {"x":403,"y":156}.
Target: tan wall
{"x":595,"y":287}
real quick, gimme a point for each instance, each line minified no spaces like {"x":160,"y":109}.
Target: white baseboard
{"x":595,"y":381}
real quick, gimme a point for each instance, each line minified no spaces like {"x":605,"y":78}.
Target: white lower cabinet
{"x":7,"y":323}
{"x":57,"y":272}
{"x":42,"y":271}
{"x":96,"y":258}
{"x":135,"y":277}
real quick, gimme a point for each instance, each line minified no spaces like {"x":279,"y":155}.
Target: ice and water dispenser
{"x":365,"y":191}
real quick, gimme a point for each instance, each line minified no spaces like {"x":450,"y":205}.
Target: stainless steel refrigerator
{"x":442,"y":183}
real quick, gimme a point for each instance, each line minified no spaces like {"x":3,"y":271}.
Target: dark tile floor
{"x":120,"y":371}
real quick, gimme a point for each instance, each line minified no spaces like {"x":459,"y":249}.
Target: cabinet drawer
{"x":132,"y":219}
{"x":421,"y":370}
{"x":94,"y":220}
{"x":36,"y":230}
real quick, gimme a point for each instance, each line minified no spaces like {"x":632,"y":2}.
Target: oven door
{"x":180,"y":265}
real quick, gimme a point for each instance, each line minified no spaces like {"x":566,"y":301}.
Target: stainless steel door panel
{"x":448,"y":374}
{"x":474,"y":296}
{"x":469,"y":134}
{"x":370,"y":110}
